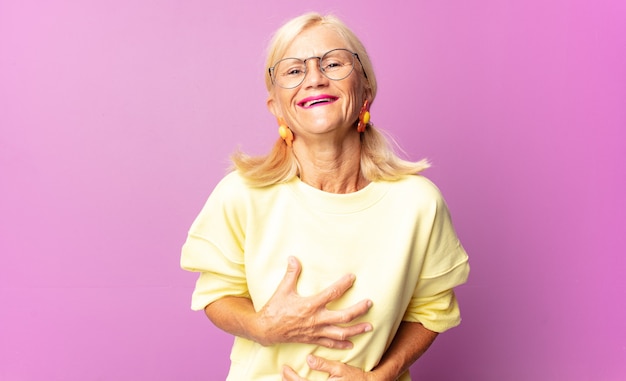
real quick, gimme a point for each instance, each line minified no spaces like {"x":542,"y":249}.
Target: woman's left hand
{"x":337,"y":371}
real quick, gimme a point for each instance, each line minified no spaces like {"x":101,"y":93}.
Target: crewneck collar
{"x":337,"y":203}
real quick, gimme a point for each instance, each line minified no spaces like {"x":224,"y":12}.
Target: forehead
{"x":314,"y":42}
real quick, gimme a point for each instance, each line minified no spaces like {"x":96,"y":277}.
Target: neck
{"x":331,"y":167}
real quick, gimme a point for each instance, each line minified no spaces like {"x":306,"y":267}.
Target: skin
{"x":327,"y":146}
{"x":290,"y":318}
{"x":410,"y":342}
{"x":326,"y":143}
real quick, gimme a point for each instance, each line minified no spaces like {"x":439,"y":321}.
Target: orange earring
{"x":285,"y":132}
{"x":364,"y":116}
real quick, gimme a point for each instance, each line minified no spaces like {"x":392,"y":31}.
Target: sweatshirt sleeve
{"x":214,"y":247}
{"x":445,"y":266}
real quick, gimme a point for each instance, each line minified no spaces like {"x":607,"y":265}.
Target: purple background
{"x":117,"y":119}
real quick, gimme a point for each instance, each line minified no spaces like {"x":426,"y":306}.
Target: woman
{"x":370,"y":253}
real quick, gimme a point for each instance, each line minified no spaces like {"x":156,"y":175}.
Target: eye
{"x":290,"y":67}
{"x":338,"y":59}
{"x":293,"y":71}
{"x":331,"y":64}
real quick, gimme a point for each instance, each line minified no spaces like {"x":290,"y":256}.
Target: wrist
{"x":373,"y":375}
{"x":258,"y":330}
{"x":379,"y":374}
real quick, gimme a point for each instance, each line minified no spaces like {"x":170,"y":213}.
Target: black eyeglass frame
{"x":319,"y":65}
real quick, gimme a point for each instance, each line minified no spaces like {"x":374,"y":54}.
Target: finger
{"x":334,"y":344}
{"x":289,"y":374}
{"x":339,"y":333}
{"x":348,"y":314}
{"x":322,"y":365}
{"x":291,"y":275}
{"x":335,"y":290}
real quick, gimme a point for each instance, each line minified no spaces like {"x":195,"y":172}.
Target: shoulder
{"x":231,"y":180}
{"x":417,"y":186}
{"x":234,"y":189}
{"x":230,"y":190}
{"x":419,"y":194}
{"x":233,"y":185}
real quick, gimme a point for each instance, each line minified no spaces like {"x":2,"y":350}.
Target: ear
{"x":366,"y":93}
{"x":272,"y":106}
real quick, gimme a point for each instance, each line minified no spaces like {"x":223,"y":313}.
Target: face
{"x":319,"y":105}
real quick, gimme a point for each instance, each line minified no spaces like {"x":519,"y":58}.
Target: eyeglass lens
{"x":336,"y":64}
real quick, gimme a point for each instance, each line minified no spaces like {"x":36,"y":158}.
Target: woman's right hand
{"x":290,"y":318}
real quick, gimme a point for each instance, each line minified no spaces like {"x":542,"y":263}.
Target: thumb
{"x":319,"y":364}
{"x":293,"y":273}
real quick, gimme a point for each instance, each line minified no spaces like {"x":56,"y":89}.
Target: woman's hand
{"x":411,"y":341}
{"x":337,"y":371}
{"x":290,"y":318}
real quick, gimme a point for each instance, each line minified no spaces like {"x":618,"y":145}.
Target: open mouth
{"x":317,"y":101}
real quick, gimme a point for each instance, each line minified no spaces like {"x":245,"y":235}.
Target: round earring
{"x":285,"y":132}
{"x":364,"y":116}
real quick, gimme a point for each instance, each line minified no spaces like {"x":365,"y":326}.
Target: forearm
{"x":409,"y":343}
{"x":289,"y":318}
{"x":235,"y":315}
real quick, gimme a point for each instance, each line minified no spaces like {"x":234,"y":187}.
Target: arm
{"x":409,"y":343}
{"x":290,"y":318}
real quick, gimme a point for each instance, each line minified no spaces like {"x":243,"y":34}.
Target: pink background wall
{"x":117,"y":118}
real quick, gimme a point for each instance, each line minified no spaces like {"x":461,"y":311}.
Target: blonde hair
{"x":379,"y":160}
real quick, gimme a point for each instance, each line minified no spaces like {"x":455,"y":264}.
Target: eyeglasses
{"x":336,"y":64}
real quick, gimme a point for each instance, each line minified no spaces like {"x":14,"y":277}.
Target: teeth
{"x":311,"y":103}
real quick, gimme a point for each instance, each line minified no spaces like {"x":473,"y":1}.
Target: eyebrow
{"x":320,"y":56}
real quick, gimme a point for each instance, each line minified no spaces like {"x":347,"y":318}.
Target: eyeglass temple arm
{"x":361,"y":63}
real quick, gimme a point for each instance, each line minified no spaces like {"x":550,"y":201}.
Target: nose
{"x":314,"y":76}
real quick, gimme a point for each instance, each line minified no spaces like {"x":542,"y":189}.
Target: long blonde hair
{"x":379,"y":160}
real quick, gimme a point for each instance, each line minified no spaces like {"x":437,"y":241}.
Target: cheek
{"x":357,"y":93}
{"x":283,"y":100}
{"x":356,"y":98}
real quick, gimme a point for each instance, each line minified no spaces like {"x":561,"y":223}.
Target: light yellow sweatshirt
{"x":396,"y":237}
